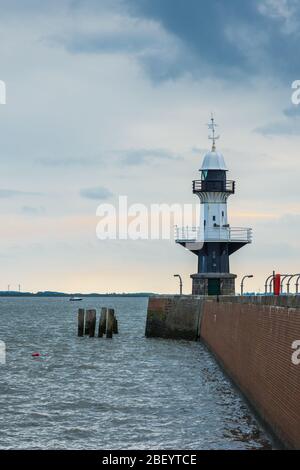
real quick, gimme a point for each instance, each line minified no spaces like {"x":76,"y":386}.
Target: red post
{"x":276,"y":284}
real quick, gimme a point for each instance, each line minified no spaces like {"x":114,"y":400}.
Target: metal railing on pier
{"x":269,"y":284}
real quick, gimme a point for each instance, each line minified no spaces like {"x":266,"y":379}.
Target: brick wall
{"x":253,"y":343}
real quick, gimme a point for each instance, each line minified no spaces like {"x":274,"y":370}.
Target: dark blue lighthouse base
{"x":213,"y":284}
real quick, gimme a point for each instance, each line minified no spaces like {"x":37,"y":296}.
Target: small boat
{"x":75,"y":299}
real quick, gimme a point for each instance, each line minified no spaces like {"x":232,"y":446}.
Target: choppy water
{"x":126,"y":393}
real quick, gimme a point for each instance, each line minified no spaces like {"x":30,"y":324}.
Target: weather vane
{"x":212,"y":126}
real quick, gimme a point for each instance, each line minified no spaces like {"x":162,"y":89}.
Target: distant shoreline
{"x":62,"y":294}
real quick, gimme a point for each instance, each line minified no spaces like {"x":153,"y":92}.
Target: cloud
{"x":233,"y":38}
{"x":288,"y":125}
{"x":293,"y":111}
{"x":286,"y":11}
{"x":29,"y":210}
{"x":95,"y":193}
{"x":90,"y":94}
{"x":146,"y":156}
{"x":8,"y":193}
{"x":69,"y":162}
{"x":156,"y":50}
{"x":127,"y":37}
{"x":278,"y":128}
{"x":172,"y":38}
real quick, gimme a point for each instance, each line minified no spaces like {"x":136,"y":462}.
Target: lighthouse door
{"x":214,"y":287}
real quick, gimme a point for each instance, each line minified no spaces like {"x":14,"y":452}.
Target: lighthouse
{"x":214,"y":240}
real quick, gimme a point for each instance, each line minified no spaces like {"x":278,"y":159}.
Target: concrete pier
{"x":252,"y":338}
{"x":176,"y":317}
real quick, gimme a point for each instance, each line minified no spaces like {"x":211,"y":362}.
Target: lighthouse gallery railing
{"x":194,"y":234}
{"x":200,"y":186}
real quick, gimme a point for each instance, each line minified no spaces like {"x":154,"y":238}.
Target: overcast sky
{"x":111,"y":97}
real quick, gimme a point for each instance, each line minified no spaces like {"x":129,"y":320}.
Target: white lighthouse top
{"x":213,"y":160}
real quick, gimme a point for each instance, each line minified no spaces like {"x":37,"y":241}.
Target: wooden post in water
{"x":80,"y":321}
{"x":115,"y":326}
{"x":91,"y":314}
{"x":87,"y":323}
{"x":102,"y":322}
{"x":109,"y":322}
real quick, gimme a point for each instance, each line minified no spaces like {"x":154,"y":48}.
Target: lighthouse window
{"x":222,"y":213}
{"x":214,"y":217}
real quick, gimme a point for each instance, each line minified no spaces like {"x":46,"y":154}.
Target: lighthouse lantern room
{"x":214,"y":240}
